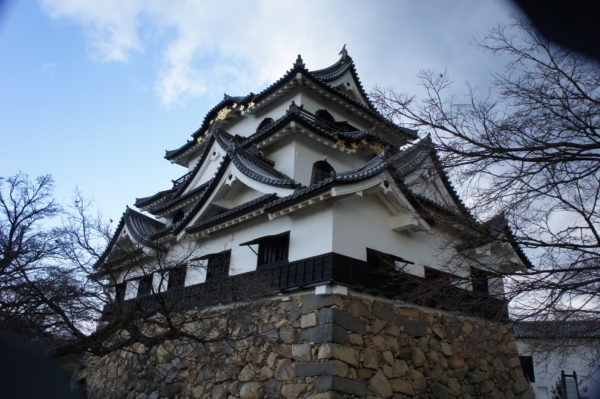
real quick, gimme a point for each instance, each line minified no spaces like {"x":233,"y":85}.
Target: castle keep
{"x":311,"y":249}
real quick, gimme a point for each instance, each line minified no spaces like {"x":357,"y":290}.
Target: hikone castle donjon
{"x":310,"y":249}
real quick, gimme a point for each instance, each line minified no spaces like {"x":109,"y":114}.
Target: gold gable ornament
{"x":377,"y":147}
{"x":222,"y":114}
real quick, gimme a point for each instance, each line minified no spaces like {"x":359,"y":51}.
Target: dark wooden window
{"x":442,"y":281}
{"x":145,"y":285}
{"x":265,"y":122}
{"x":325,"y":118}
{"x":177,"y":277}
{"x":218,"y":264}
{"x":178,"y":216}
{"x":120,"y":291}
{"x":273,"y":250}
{"x":383,"y":261}
{"x":379,"y":260}
{"x":527,"y":365}
{"x":480,"y":281}
{"x":322,"y":170}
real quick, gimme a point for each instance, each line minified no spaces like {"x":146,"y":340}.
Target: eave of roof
{"x":251,"y":165}
{"x":231,"y":213}
{"x":172,"y":155}
{"x":557,"y":329}
{"x":141,"y":228}
{"x":178,"y":227}
{"x":337,"y":70}
{"x":146,"y":201}
{"x":407,"y":133}
{"x":296,"y":114}
{"x":178,"y":202}
{"x":490,"y":229}
{"x":406,"y":159}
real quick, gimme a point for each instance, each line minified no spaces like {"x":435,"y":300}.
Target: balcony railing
{"x":309,"y":272}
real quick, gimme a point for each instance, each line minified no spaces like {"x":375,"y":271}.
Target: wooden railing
{"x":309,"y":272}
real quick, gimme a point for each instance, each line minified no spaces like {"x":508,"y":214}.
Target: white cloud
{"x":237,"y":46}
{"x":111,"y":25}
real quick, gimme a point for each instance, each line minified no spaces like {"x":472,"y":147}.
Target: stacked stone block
{"x":322,"y":347}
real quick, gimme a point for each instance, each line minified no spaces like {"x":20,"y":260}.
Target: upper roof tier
{"x":330,"y":80}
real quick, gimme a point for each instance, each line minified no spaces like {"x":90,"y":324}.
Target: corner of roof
{"x":113,"y":239}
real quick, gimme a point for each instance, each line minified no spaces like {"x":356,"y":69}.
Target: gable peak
{"x":344,"y":52}
{"x":299,"y":62}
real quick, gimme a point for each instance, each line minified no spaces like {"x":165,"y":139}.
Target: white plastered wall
{"x":348,"y":85}
{"x":576,"y":355}
{"x":247,"y":124}
{"x":295,"y":157}
{"x":310,"y":235}
{"x":361,"y":222}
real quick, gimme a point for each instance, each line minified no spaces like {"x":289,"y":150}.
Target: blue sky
{"x":93,"y":92}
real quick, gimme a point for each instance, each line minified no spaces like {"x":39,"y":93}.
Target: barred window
{"x":480,"y":281}
{"x":322,"y":170}
{"x":145,"y":285}
{"x":120,"y":291}
{"x":273,"y":250}
{"x":218,"y":264}
{"x":177,"y":277}
{"x":527,"y":366}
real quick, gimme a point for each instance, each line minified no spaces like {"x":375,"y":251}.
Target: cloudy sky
{"x":93,"y":92}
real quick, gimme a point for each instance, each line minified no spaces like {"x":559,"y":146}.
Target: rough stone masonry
{"x":319,"y":347}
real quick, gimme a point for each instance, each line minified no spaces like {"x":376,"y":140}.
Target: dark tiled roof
{"x":227,"y":101}
{"x":145,"y":201}
{"x":140,"y":226}
{"x":302,"y":117}
{"x":319,"y":77}
{"x":250,"y":164}
{"x":407,"y":133}
{"x":400,"y":161}
{"x":180,"y":185}
{"x":358,"y":135}
{"x":231,"y":213}
{"x":335,"y":71}
{"x":259,"y":170}
{"x":496,"y":229}
{"x":210,"y":186}
{"x":172,"y":154}
{"x":557,"y":329}
{"x":197,"y":191}
{"x":300,"y":194}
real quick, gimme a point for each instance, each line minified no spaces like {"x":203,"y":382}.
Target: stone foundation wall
{"x":318,"y":347}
